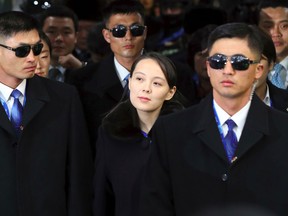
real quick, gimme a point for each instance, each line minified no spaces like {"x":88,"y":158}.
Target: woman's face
{"x":44,"y":61}
{"x":149,"y":87}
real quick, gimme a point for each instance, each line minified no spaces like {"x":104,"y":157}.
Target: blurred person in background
{"x":170,"y":39}
{"x":85,"y":25}
{"x":270,"y":94}
{"x":43,"y":64}
{"x":99,"y":49}
{"x":60,"y":23}
{"x":273,"y":18}
{"x":196,"y":58}
{"x":96,"y":44}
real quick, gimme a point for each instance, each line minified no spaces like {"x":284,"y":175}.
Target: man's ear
{"x":106,"y":35}
{"x":259,"y":70}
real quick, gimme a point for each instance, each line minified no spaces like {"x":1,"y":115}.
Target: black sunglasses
{"x":120,"y":30}
{"x":24,"y":51}
{"x":238,"y":62}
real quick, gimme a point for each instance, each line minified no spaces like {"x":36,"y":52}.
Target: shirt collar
{"x":267,"y":98}
{"x":239,"y":118}
{"x":5,"y":91}
{"x":284,"y":63}
{"x":122,"y":72}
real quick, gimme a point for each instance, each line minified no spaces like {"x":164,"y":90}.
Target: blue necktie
{"x":16,"y":111}
{"x":279,"y":76}
{"x":230,"y":139}
{"x":126,"y":87}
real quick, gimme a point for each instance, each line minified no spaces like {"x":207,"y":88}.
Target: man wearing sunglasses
{"x":228,"y":150}
{"x":45,"y":156}
{"x":102,"y":84}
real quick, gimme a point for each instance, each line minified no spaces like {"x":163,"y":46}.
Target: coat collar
{"x":36,"y":97}
{"x":255,"y":128}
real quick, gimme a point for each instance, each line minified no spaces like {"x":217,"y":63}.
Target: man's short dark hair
{"x":59,"y":11}
{"x":123,"y":7}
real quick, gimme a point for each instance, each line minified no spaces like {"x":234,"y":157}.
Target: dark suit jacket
{"x":99,"y":93}
{"x":279,"y":97}
{"x":189,"y":170}
{"x":48,"y":170}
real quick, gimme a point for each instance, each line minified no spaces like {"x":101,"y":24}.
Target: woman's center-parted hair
{"x":166,"y":65}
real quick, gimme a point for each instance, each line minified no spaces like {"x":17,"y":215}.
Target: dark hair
{"x":272,"y":3}
{"x":269,"y":50}
{"x":123,"y":7}
{"x":198,"y":42}
{"x":46,"y":39}
{"x":13,"y":22}
{"x":166,"y":65}
{"x":269,"y":3}
{"x":237,"y":30}
{"x":196,"y":17}
{"x":123,"y":121}
{"x":173,"y":3}
{"x":59,"y":11}
{"x":96,"y":42}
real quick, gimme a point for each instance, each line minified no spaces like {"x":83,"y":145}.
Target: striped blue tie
{"x":279,"y":77}
{"x":16,"y":111}
{"x":126,"y":87}
{"x":230,"y":139}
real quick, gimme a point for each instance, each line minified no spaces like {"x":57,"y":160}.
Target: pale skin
{"x":231,"y":88}
{"x":12,"y":68}
{"x":128,"y":48}
{"x":148,"y":91}
{"x":44,"y":61}
{"x":275,"y":22}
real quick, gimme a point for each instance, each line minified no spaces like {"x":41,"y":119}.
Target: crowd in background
{"x":168,"y":44}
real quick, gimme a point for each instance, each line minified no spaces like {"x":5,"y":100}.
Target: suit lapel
{"x":109,"y":80}
{"x":36,"y":97}
{"x":206,"y":127}
{"x":254,"y":129}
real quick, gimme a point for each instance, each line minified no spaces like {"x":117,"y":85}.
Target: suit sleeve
{"x":79,"y":162}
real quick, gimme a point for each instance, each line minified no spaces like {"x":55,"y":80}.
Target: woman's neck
{"x":147,"y":119}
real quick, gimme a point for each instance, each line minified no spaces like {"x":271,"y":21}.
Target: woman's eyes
{"x":139,"y":78}
{"x":154,"y":83}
